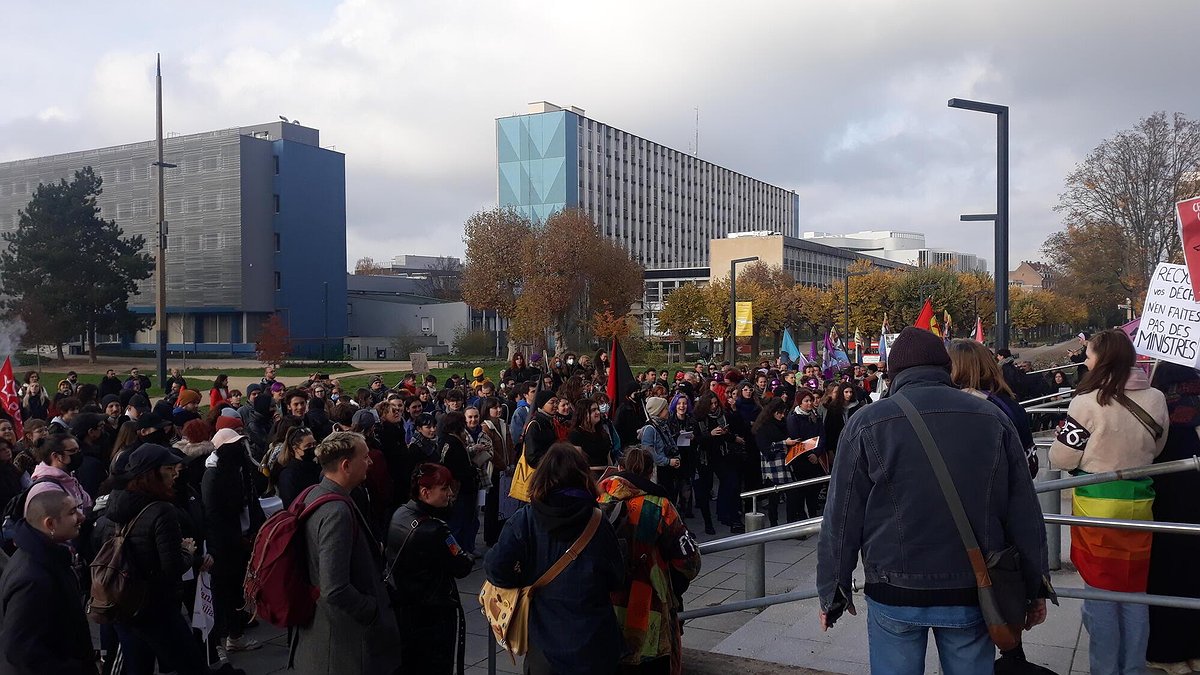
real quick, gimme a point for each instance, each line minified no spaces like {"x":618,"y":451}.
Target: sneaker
{"x":222,"y":654}
{"x":241,"y":644}
{"x":1178,"y":668}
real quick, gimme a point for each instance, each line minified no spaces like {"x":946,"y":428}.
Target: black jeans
{"x":161,"y":632}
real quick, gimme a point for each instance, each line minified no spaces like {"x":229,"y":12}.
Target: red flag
{"x":8,"y":397}
{"x":620,"y":376}
{"x":979,"y":329}
{"x":925,"y":318}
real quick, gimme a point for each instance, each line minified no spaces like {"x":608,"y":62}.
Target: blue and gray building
{"x":662,"y":205}
{"x":256,"y":226}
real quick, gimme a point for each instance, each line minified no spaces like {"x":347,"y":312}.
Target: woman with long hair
{"x":770,"y":433}
{"x":35,"y":405}
{"x":219,"y":392}
{"x":663,"y":560}
{"x":1116,"y":421}
{"x":572,"y":625}
{"x":295,"y":468}
{"x":126,"y":440}
{"x":683,"y":430}
{"x":589,"y":434}
{"x":746,"y":408}
{"x":718,"y":455}
{"x":804,"y":422}
{"x":452,"y":441}
{"x":974,"y":370}
{"x":834,"y":418}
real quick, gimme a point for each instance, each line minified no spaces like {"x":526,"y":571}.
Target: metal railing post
{"x":1052,"y":503}
{"x":756,"y":559}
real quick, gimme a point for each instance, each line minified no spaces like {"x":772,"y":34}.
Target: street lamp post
{"x":731,"y":350}
{"x":846,"y":314}
{"x":1001,"y":215}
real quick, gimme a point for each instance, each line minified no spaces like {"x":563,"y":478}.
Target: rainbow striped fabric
{"x":1108,"y":558}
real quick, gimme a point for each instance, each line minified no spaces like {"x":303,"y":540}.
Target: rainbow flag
{"x":1108,"y":558}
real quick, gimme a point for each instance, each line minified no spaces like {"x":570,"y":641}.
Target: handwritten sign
{"x":1188,"y":214}
{"x":1170,"y":322}
{"x":420,"y":362}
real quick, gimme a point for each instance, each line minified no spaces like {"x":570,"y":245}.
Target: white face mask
{"x":604,"y":408}
{"x":570,"y":362}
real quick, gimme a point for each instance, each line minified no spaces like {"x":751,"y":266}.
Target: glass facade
{"x":537,"y":158}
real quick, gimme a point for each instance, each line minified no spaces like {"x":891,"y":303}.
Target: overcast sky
{"x":845,"y":102}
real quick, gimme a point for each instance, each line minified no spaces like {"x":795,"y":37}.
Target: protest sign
{"x":1188,"y":214}
{"x":1170,"y":321}
{"x":744,"y":321}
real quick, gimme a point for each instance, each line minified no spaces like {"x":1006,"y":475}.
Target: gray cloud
{"x":844,"y":102}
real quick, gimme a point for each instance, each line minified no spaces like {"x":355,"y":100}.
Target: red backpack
{"x":277,"y":584}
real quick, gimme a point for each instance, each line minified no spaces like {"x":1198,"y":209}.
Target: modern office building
{"x":256,"y":225}
{"x":662,"y":205}
{"x":906,"y":247}
{"x":810,"y":264}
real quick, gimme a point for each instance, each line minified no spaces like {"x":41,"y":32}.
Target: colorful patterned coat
{"x":662,"y":560}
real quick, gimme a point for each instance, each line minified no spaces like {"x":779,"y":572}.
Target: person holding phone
{"x":770,"y":433}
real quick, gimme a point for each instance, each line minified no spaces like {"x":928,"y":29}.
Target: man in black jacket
{"x":884,"y":501}
{"x":541,"y":435}
{"x":42,"y":625}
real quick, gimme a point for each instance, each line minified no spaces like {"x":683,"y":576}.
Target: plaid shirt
{"x":774,"y":471}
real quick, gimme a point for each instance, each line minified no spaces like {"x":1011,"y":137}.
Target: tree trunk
{"x":58,"y":346}
{"x":92,"y":344}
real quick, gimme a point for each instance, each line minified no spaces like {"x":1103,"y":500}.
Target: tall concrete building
{"x":256,"y":225}
{"x":662,"y":205}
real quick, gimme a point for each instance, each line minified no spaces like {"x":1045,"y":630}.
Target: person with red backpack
{"x":353,"y":629}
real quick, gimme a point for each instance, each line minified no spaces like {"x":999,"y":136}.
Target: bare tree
{"x":444,"y":279}
{"x":1132,"y":181}
{"x":367,"y":265}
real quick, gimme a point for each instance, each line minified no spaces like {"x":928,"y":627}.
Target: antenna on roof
{"x":696,"y":151}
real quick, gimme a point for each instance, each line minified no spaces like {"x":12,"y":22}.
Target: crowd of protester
{"x":412,"y":486}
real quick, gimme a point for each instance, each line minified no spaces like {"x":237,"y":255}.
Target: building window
{"x":278,"y":282}
{"x":277,"y":249}
{"x":276,"y":203}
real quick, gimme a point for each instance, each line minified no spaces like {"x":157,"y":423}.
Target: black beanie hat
{"x":541,"y":398}
{"x":916,"y":347}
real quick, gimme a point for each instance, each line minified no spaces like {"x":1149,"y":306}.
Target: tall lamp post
{"x":731,"y":350}
{"x":846,"y":313}
{"x":1001,"y":215}
{"x":160,"y":261}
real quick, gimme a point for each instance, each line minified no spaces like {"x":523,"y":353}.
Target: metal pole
{"x":1052,"y":505}
{"x":1002,"y":228}
{"x":791,"y":596}
{"x":756,"y":559}
{"x":160,"y":263}
{"x":1117,"y":523}
{"x":491,"y":642}
{"x":731,"y":350}
{"x":1138,"y":598}
{"x":1191,"y":463}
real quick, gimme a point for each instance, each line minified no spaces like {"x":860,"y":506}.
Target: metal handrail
{"x":753,"y":495}
{"x":756,"y":603}
{"x":1049,"y":397}
{"x":1173,"y":466}
{"x":1177,"y":601}
{"x":777,"y":533}
{"x":1053,"y":368}
{"x":1142,"y":525}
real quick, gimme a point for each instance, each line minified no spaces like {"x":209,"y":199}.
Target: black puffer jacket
{"x":227,"y":491}
{"x":425,"y":563}
{"x":155,"y":541}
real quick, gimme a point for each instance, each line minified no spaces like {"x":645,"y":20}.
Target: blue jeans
{"x":897,"y":637}
{"x":464,"y":521}
{"x":1117,"y":636}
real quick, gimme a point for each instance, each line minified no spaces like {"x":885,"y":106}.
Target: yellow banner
{"x":745,"y":319}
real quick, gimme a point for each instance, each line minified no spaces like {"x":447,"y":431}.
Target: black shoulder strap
{"x":949,"y":491}
{"x":391,"y":567}
{"x":1142,"y":416}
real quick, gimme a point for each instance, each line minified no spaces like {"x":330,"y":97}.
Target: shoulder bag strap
{"x":949,"y":491}
{"x":391,"y":568}
{"x":572,"y":553}
{"x":129,"y":526}
{"x":1142,"y":416}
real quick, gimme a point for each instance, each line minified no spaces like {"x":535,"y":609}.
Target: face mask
{"x":570,"y":362}
{"x":75,"y":463}
{"x":603,"y":408}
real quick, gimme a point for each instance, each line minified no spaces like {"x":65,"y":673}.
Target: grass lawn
{"x":353,"y":382}
{"x":257,"y":372}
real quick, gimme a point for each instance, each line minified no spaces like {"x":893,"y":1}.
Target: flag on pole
{"x":788,"y":346}
{"x":858,"y":345}
{"x":883,"y":346}
{"x":204,"y":616}
{"x":933,"y":326}
{"x":979,"y":329}
{"x":812,"y":351}
{"x":925,"y":319}
{"x":620,"y":375}
{"x":834,"y":358}
{"x":9,"y":400}
{"x":946,"y":329}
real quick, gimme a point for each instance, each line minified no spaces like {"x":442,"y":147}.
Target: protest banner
{"x":1170,"y":321}
{"x":745,"y":319}
{"x":1187,"y":212}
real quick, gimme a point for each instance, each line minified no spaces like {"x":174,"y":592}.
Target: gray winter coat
{"x":354,"y":630}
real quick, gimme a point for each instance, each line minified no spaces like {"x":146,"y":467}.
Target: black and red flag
{"x":620,"y":376}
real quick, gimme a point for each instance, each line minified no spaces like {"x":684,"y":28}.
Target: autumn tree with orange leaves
{"x":551,"y":277}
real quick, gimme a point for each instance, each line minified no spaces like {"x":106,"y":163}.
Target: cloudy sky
{"x":845,"y":102}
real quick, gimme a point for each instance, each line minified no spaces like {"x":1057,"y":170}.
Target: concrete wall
{"x":768,"y":249}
